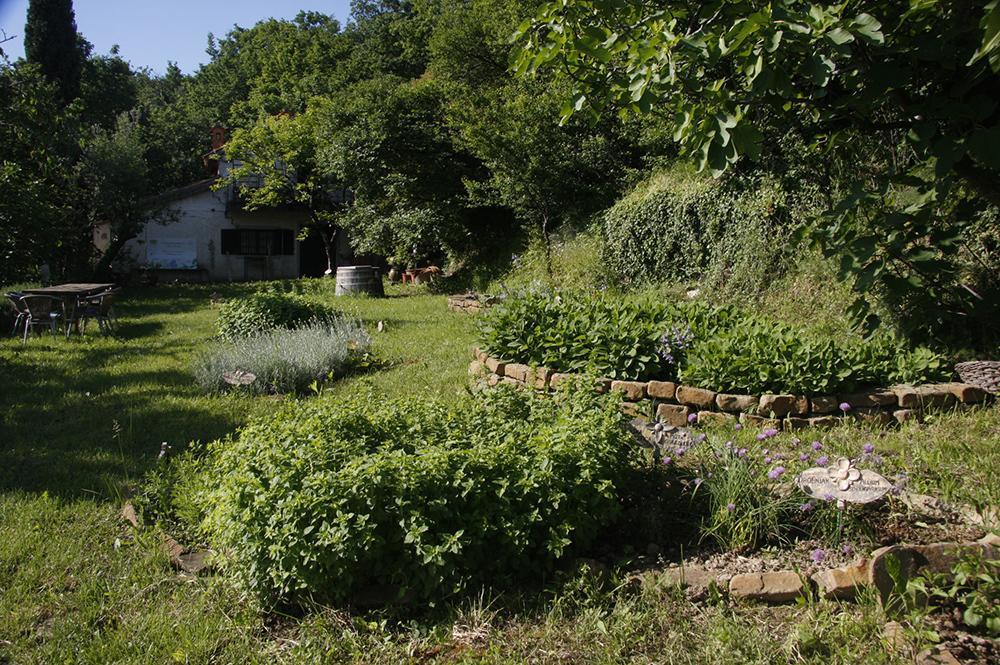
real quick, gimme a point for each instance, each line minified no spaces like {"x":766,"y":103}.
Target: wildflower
{"x":767,"y":460}
{"x":667,"y":461}
{"x":776,"y":472}
{"x":806,"y":507}
{"x":845,"y":407}
{"x":680,"y":451}
{"x":804,"y":457}
{"x":693,"y":418}
{"x":868,"y":449}
{"x":817,"y":555}
{"x":742,"y":452}
{"x":738,"y":427}
{"x":816,"y":445}
{"x":778,"y":456}
{"x":796,"y":440}
{"x":828,"y":498}
{"x":847,"y":549}
{"x":700,"y":438}
{"x":729,"y":445}
{"x":730,"y":507}
{"x":761,"y":437}
{"x":770,"y":431}
{"x":823,"y":460}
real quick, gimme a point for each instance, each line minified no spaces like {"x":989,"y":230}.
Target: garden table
{"x":69,"y":294}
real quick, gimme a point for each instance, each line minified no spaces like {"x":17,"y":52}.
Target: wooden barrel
{"x":359,"y":279}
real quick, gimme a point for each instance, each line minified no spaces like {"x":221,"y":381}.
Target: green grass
{"x":83,"y":420}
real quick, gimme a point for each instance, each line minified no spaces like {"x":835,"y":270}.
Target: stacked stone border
{"x":841,"y":583}
{"x":674,"y":404}
{"x":470,"y":303}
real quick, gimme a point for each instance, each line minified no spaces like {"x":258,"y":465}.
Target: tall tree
{"x":51,"y":41}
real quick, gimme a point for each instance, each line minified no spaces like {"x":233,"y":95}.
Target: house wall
{"x":201,"y":218}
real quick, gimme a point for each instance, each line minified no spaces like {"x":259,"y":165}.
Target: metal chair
{"x":100,"y":307}
{"x":20,"y":312}
{"x":40,"y":311}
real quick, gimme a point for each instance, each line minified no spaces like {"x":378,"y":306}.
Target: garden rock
{"x":780,"y":587}
{"x":938,"y":396}
{"x":825,"y":422}
{"x":736,"y":403}
{"x":129,"y":515}
{"x":778,"y":405}
{"x":673,"y":414}
{"x":842,"y":583}
{"x":559,"y":378}
{"x":496,"y":366}
{"x":695,"y":580}
{"x":751,"y":420}
{"x":540,"y":377}
{"x":699,"y":397}
{"x":475,"y":368}
{"x":870,"y":399}
{"x":517,"y":371}
{"x":824,"y":404}
{"x":633,"y":390}
{"x":936,"y":656}
{"x":966,"y":393}
{"x":715,"y":418}
{"x":661,"y":389}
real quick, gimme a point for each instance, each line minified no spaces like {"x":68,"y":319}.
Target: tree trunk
{"x":328,"y":235}
{"x":103,"y":265}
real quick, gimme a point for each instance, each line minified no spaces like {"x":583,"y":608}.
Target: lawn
{"x":84,"y":419}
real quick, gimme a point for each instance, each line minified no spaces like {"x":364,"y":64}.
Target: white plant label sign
{"x":844,"y":483}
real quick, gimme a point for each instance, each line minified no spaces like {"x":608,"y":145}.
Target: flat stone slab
{"x":633,"y":390}
{"x":695,"y":580}
{"x":780,"y":587}
{"x":842,"y":583}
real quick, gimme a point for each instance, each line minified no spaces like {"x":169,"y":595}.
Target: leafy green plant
{"x":281,"y":361}
{"x":267,"y":309}
{"x":331,"y":498}
{"x":973,"y":588}
{"x":727,"y":349}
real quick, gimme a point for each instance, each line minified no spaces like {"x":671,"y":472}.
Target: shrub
{"x":284,"y":360}
{"x":722,"y":348}
{"x":327,"y":499}
{"x":679,"y":225}
{"x":761,"y":356}
{"x":266,"y":310}
{"x":612,"y":336}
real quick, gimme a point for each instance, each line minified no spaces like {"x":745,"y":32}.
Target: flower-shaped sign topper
{"x":844,"y":483}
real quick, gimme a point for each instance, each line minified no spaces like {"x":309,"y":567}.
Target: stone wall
{"x":674,"y":404}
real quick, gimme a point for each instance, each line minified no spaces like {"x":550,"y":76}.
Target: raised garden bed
{"x":681,"y":405}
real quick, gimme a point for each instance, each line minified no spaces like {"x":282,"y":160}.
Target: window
{"x":258,"y":242}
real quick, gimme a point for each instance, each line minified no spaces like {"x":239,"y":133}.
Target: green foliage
{"x":759,"y":356}
{"x":861,"y":80}
{"x":972,"y":589}
{"x":731,"y":350}
{"x":267,"y":309}
{"x":331,"y":498}
{"x":285,"y":361}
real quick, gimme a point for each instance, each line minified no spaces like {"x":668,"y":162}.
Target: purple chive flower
{"x":761,"y":437}
{"x":845,"y":407}
{"x":738,"y":427}
{"x":828,"y":497}
{"x":729,"y":445}
{"x":730,"y":507}
{"x":816,"y":445}
{"x":776,"y":472}
{"x":847,"y":549}
{"x":778,"y":456}
{"x":817,"y":555}
{"x":767,"y":460}
{"x":770,"y":431}
{"x":700,"y":438}
{"x":804,"y":457}
{"x":806,"y":507}
{"x":693,"y":418}
{"x":869,"y":449}
{"x":680,"y":451}
{"x":742,"y":452}
{"x":667,"y":461}
{"x":823,"y":460}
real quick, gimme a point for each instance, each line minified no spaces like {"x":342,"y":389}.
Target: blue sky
{"x":151,"y":32}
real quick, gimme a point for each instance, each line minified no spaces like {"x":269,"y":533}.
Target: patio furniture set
{"x":67,"y":305}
